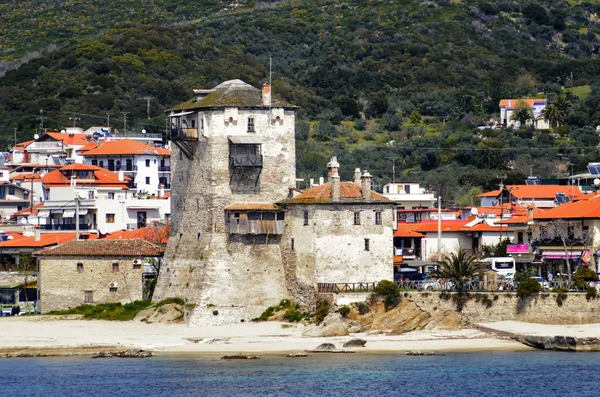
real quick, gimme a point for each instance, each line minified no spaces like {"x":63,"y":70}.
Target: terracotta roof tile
{"x":493,"y":193}
{"x":101,"y":176}
{"x":46,"y":240}
{"x":401,"y":232}
{"x":349,"y":192}
{"x":158,"y":234}
{"x":432,"y":226}
{"x":27,"y":211}
{"x":515,"y":102}
{"x":252,"y":207}
{"x":125,"y":147}
{"x":579,"y":209}
{"x":543,"y":191}
{"x":104,"y":247}
{"x":67,"y":139}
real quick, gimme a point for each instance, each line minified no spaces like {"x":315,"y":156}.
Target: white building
{"x":148,"y":167}
{"x":508,"y":106}
{"x":102,"y":198}
{"x":409,"y":195}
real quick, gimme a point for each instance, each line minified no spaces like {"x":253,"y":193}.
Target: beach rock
{"x":332,"y":325}
{"x":133,"y":353}
{"x":355,"y":343}
{"x":194,"y":340}
{"x":445,"y":319}
{"x":240,"y":357}
{"x":164,"y":314}
{"x":144,"y":314}
{"x":354,"y":327}
{"x":297,"y":355}
{"x":326,"y":347}
{"x":405,"y":317}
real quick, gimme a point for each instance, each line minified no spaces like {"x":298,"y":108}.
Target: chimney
{"x":36,"y":233}
{"x":161,"y":190}
{"x":357,"y":176}
{"x":121,"y":175}
{"x":321,"y":180}
{"x":366,"y":185}
{"x":335,"y":187}
{"x":332,"y":167}
{"x":266,"y":95}
{"x":312,"y":182}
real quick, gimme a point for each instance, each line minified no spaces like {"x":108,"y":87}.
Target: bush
{"x":583,"y":275}
{"x":266,"y":314}
{"x":390,"y":291}
{"x":322,"y":312}
{"x":363,"y":309}
{"x":293,"y":315}
{"x":344,"y":311}
{"x":108,"y":311}
{"x":527,"y":287}
{"x":591,"y":293}
{"x":168,"y":301}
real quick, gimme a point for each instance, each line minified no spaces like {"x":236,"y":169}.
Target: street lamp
{"x":47,"y":158}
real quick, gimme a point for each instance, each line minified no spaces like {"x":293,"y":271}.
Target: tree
{"x":458,"y":268}
{"x":522,"y":114}
{"x":26,"y":268}
{"x":550,"y":114}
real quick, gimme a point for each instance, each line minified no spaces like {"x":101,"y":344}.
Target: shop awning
{"x":43,"y":213}
{"x":83,"y":211}
{"x":69,"y":214}
{"x":556,"y":254}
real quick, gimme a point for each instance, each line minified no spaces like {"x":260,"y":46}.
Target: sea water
{"x":532,"y":373}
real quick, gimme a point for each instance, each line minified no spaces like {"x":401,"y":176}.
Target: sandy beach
{"x":47,"y":335}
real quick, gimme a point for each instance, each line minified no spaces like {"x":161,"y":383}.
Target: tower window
{"x":367,"y":244}
{"x":378,"y":217}
{"x":251,"y":124}
{"x":305,"y":218}
{"x":357,"y":218}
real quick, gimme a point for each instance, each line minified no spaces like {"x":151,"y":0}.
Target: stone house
{"x":93,"y":271}
{"x":508,"y":106}
{"x":340,"y":232}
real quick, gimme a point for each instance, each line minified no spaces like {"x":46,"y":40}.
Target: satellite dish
{"x":23,"y":221}
{"x":474,"y":211}
{"x":143,"y":131}
{"x":63,"y":131}
{"x":597,"y":182}
{"x":36,"y":136}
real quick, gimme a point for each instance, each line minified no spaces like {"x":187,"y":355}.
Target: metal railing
{"x":71,"y":226}
{"x":245,"y":160}
{"x":345,"y":287}
{"x":184,"y":133}
{"x":164,"y":168}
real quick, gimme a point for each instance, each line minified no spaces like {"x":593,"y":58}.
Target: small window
{"x":251,"y":124}
{"x":115,"y":267}
{"x":147,"y":180}
{"x":378,"y":217}
{"x":110,"y":218}
{"x":137,"y":264}
{"x":101,"y":164}
{"x":193,"y":123}
{"x":11,"y":190}
{"x":180,"y":155}
{"x":111,"y":196}
{"x":357,"y":218}
{"x":292,"y":244}
{"x":88,"y":297}
{"x":79,"y":267}
{"x":95,"y":162}
{"x":147,"y":163}
{"x":367,"y":244}
{"x":113,"y":290}
{"x":305,"y":218}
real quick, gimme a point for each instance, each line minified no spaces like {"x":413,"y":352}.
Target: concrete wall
{"x":62,"y":286}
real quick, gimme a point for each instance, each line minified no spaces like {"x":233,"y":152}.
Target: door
{"x":141,"y":219}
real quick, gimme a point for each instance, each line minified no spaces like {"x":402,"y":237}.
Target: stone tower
{"x":233,"y":159}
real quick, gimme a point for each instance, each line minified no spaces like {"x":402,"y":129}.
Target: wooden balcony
{"x":245,"y":226}
{"x":245,"y":160}
{"x":184,"y":134}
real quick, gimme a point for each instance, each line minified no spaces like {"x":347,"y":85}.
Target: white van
{"x":502,"y":265}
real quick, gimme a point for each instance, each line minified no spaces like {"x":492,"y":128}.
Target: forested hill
{"x":376,"y":80}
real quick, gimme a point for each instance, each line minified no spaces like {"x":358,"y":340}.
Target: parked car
{"x":545,"y":284}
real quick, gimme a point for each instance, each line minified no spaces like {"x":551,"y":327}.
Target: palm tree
{"x":458,"y":268}
{"x":551,"y":114}
{"x":522,"y":113}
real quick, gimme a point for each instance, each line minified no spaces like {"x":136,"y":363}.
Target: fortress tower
{"x":233,"y":159}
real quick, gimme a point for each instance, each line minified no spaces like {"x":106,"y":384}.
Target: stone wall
{"x":487,"y":307}
{"x":63,"y":286}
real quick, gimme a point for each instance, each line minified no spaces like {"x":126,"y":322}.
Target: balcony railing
{"x":184,"y":133}
{"x":164,"y":168}
{"x":245,"y":160}
{"x":244,"y":226}
{"x":71,"y":226}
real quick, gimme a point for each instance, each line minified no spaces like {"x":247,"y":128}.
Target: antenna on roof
{"x":270,"y":83}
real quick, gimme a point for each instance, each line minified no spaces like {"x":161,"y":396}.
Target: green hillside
{"x":376,"y":81}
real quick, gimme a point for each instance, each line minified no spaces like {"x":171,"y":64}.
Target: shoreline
{"x":44,"y":336}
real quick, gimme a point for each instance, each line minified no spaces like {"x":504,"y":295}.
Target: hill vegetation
{"x":377,"y":81}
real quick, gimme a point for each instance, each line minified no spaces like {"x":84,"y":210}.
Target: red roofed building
{"x":94,"y":271}
{"x":148,"y":167}
{"x":508,"y":106}
{"x":543,"y":196}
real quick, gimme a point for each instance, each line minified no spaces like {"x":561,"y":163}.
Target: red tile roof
{"x":67,"y":139}
{"x":515,"y":102}
{"x":27,"y":177}
{"x":401,"y":232}
{"x":46,"y":240}
{"x":349,"y":192}
{"x":157,"y":234}
{"x":27,"y":211}
{"x":576,"y":210}
{"x":23,"y":145}
{"x":104,"y":247}
{"x":125,"y":147}
{"x":101,"y":177}
{"x":543,"y":191}
{"x":252,"y":207}
{"x":493,"y":193}
{"x":432,"y":226}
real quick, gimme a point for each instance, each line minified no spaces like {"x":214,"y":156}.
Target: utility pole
{"x":125,"y":121}
{"x":76,"y":216}
{"x":42,"y":120}
{"x":108,"y":119}
{"x":439,"y":231}
{"x":74,"y":118}
{"x":147,"y":98}
{"x":15,"y":136}
{"x":393,"y":170}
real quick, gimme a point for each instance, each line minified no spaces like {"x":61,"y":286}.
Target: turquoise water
{"x":528,"y":374}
